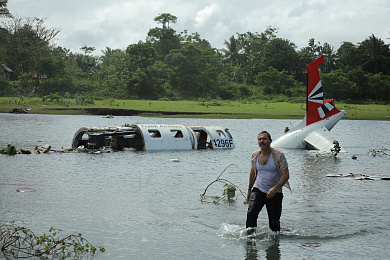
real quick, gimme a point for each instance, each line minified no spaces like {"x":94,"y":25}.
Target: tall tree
{"x":375,"y":55}
{"x":148,"y":74}
{"x":113,"y":74}
{"x":196,"y":67}
{"x":346,"y":56}
{"x":281,"y":55}
{"x":315,"y":50}
{"x":165,"y":38}
{"x":309,"y":53}
{"x":27,"y":41}
{"x":235,"y":58}
{"x":87,"y":62}
{"x":165,"y":19}
{"x":140,"y":56}
{"x":150,"y":83}
{"x":253,"y":45}
{"x":4,"y":12}
{"x":233,"y":52}
{"x":330,"y":57}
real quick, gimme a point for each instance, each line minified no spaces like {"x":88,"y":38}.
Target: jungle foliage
{"x":182,"y":66}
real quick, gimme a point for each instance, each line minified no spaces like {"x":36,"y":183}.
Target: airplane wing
{"x":321,"y":140}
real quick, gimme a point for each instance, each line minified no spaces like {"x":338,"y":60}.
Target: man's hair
{"x":265,"y":132}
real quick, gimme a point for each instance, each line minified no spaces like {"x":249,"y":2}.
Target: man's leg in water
{"x":274,"y":210}
{"x":256,"y":203}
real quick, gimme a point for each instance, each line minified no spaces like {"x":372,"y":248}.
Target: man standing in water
{"x":269,"y":172}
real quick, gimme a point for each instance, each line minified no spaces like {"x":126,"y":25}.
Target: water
{"x":141,"y":205}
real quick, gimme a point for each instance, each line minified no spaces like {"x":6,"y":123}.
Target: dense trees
{"x":171,"y":65}
{"x":24,"y":42}
{"x":374,"y":55}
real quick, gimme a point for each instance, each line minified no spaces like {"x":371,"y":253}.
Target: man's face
{"x":263,"y":141}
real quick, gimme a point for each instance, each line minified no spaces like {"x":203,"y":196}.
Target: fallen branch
{"x":225,"y":193}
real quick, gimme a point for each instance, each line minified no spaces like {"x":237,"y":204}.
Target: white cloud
{"x":203,"y":15}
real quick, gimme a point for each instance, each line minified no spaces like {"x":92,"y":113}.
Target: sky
{"x":119,"y":23}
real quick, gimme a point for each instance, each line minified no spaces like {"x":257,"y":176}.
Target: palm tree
{"x":233,"y":51}
{"x":330,"y":57}
{"x":375,"y":55}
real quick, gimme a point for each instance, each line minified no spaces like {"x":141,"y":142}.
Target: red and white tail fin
{"x":316,"y":108}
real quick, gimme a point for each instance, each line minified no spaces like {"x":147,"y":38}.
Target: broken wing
{"x":321,"y":139}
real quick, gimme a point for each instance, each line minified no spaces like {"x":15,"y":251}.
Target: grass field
{"x":193,"y":109}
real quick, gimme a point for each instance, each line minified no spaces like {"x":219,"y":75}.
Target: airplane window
{"x":154,"y":133}
{"x":221,"y":133}
{"x":177,"y":133}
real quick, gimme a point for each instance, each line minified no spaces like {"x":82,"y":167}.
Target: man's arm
{"x":251,"y":183}
{"x":283,"y":179}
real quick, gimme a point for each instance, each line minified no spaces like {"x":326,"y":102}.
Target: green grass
{"x":209,"y":109}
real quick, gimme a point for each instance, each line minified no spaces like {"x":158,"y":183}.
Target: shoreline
{"x":102,"y":111}
{"x":189,"y":109}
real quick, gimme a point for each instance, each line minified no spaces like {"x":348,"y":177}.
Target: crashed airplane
{"x":321,"y":116}
{"x":153,"y":137}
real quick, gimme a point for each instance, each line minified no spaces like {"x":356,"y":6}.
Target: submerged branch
{"x":383,"y":151}
{"x":226,"y":182}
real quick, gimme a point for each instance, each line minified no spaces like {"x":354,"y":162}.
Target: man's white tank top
{"x":267,"y":175}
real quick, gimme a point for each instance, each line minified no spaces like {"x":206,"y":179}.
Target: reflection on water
{"x":273,"y":251}
{"x":264,"y":244}
{"x":251,"y":250}
{"x":255,"y":248}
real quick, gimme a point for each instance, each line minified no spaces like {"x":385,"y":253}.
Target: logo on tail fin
{"x":326,"y":108}
{"x":316,"y":108}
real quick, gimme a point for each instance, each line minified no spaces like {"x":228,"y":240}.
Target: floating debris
{"x":82,"y":149}
{"x":42,"y":149}
{"x":26,"y":190}
{"x":19,"y":111}
{"x":25,"y":151}
{"x":357,"y":176}
{"x":334,"y":175}
{"x":380,"y":152}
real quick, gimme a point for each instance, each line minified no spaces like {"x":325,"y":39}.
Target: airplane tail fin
{"x":316,"y":108}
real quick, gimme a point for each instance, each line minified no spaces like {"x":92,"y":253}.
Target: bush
{"x":84,"y":100}
{"x":55,"y":85}
{"x":4,"y":86}
{"x":52,"y":98}
{"x":21,"y":242}
{"x":275,"y":82}
{"x":10,"y":150}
